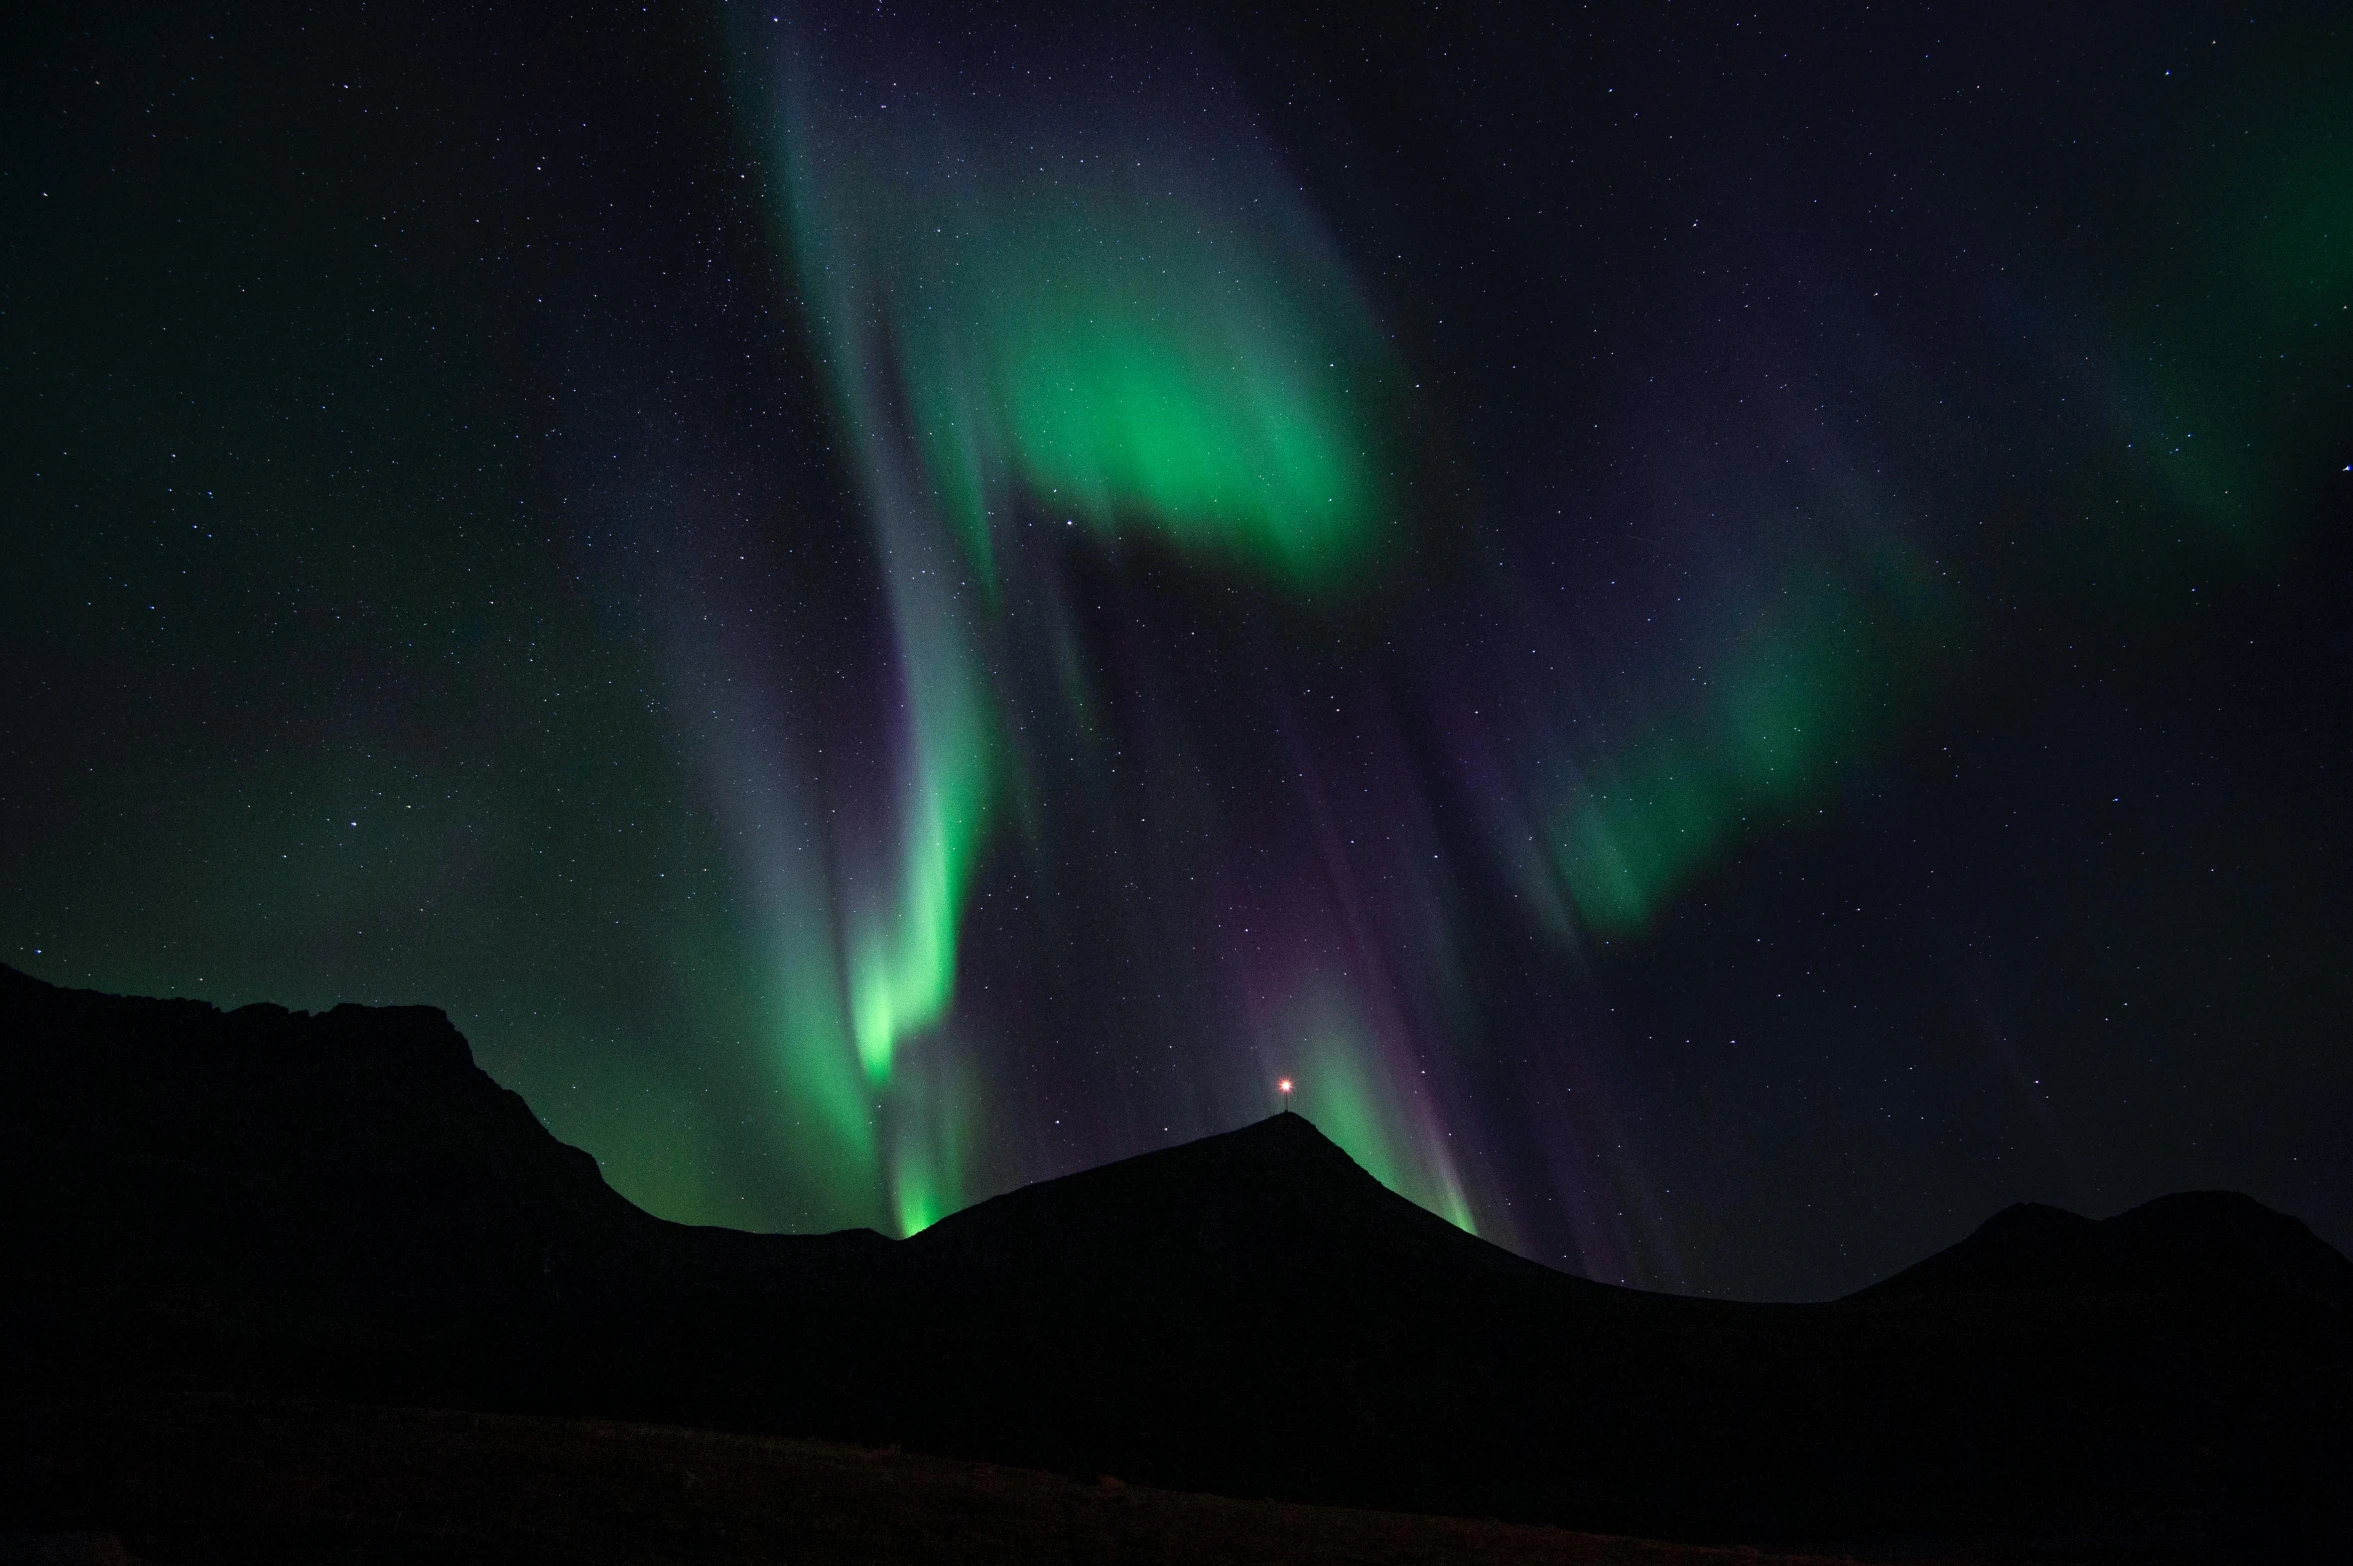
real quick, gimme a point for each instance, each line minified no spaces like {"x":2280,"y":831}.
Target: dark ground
{"x":195,"y":1483}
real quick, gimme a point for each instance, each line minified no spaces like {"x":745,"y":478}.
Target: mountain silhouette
{"x":2194,"y":1242}
{"x":342,"y":1200}
{"x":343,"y":1205}
{"x":1272,"y":1199}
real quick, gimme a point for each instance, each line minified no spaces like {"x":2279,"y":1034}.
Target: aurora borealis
{"x":1722,"y":635}
{"x":1016,"y":339}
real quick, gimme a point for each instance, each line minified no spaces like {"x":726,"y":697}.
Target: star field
{"x":1720,"y":633}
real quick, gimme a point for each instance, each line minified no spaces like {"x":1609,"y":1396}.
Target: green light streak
{"x":1806,"y":691}
{"x":919,"y":1206}
{"x":835,"y":1141}
{"x":765,"y":958}
{"x":1150,"y":364}
{"x":929,"y":1131}
{"x":1138,"y":347}
{"x":1345,"y":1088}
{"x":902,"y":963}
{"x":2215,"y":337}
{"x":1021,"y":331}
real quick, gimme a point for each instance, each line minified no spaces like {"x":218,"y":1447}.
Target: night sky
{"x":1722,"y":630}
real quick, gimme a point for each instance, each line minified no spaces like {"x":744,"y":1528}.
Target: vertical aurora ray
{"x":903,"y":889}
{"x":901,"y":936}
{"x":1048,"y":321}
{"x":856,"y":927}
{"x":1345,"y":1084}
{"x":802,"y":1030}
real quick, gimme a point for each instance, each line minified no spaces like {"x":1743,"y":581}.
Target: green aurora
{"x":1027,"y":327}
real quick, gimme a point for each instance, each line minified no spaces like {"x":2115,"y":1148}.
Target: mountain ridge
{"x":2202,"y":1242}
{"x":2086,"y":1251}
{"x":343,"y":1204}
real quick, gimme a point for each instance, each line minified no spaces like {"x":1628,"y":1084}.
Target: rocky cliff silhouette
{"x":345,"y":1205}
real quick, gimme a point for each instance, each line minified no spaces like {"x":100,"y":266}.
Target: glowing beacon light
{"x":1283,"y":1087}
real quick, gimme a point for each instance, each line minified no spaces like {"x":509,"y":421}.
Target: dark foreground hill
{"x":257,"y":1202}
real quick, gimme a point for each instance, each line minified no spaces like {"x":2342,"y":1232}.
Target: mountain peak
{"x":1270,"y":1200}
{"x":1278,"y":1165}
